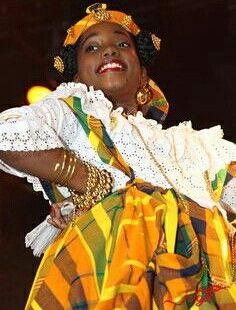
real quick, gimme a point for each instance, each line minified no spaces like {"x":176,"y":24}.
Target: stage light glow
{"x":36,"y":93}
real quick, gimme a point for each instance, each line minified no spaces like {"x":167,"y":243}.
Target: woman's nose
{"x":110,"y":50}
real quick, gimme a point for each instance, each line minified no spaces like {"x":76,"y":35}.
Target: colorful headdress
{"x":97,"y":13}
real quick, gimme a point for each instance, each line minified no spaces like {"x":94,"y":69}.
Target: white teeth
{"x":110,"y":65}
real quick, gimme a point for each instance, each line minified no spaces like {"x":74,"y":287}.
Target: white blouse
{"x":183,"y":153}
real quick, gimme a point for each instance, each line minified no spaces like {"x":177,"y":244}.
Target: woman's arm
{"x":42,"y":165}
{"x":33,"y":138}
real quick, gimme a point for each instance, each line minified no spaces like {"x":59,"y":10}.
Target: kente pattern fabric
{"x":99,"y":137}
{"x":139,"y":248}
{"x":75,"y":31}
{"x":158,"y":107}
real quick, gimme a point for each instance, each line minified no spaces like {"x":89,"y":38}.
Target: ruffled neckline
{"x":177,"y":141}
{"x":95,"y":103}
{"x":184,"y":152}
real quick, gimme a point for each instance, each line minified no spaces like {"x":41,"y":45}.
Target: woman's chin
{"x":113,"y":88}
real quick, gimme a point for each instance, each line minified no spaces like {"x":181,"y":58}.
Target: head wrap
{"x":96,"y":13}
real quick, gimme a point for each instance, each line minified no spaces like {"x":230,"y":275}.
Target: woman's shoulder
{"x":206,"y":138}
{"x":69,"y":89}
{"x":93,"y":102}
{"x":206,"y":147}
{"x":187,"y":131}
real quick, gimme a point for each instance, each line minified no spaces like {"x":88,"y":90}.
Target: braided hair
{"x":143,"y":42}
{"x":145,"y":48}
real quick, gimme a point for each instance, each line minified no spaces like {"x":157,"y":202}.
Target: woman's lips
{"x":112,"y":66}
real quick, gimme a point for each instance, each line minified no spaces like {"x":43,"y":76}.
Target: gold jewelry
{"x":179,"y":196}
{"x":59,"y":168}
{"x":99,"y":184}
{"x":96,"y":6}
{"x":98,"y":11}
{"x":231,"y":236}
{"x":144,"y":95}
{"x":70,"y":31}
{"x":66,"y":169}
{"x":73,"y":169}
{"x":183,"y":202}
{"x":156,"y":41}
{"x":126,"y":115}
{"x":232,"y":245}
{"x":70,"y":169}
{"x":127,"y":20}
{"x":58,"y":64}
{"x":209,"y":186}
{"x":132,"y":111}
{"x":65,"y":175}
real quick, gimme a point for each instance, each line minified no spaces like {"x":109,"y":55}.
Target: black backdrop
{"x":195,"y":69}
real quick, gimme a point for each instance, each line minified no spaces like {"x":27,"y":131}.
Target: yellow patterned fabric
{"x":96,"y":14}
{"x":139,"y":248}
{"x":116,"y":257}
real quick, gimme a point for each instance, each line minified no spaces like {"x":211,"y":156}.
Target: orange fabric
{"x":75,"y":31}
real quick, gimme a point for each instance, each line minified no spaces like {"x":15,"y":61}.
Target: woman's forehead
{"x":104,"y":28}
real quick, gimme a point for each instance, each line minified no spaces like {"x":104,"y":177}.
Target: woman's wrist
{"x":79,"y":180}
{"x":99,"y":185}
{"x":70,"y":171}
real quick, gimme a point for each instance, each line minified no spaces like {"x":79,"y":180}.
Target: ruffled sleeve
{"x":31,"y":128}
{"x":196,"y":152}
{"x":46,"y":125}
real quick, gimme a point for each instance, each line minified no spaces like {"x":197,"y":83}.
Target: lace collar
{"x":156,"y":109}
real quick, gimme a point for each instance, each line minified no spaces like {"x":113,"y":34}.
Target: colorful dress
{"x":147,"y":245}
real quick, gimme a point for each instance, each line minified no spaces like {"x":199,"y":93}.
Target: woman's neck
{"x":130,"y":106}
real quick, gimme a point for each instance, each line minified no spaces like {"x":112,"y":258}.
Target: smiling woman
{"x":107,"y":59}
{"x":138,"y":218}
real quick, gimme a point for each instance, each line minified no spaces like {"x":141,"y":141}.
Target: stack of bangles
{"x":99,"y":182}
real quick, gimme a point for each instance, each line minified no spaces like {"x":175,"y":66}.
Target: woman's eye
{"x":123,"y":44}
{"x":91,"y":48}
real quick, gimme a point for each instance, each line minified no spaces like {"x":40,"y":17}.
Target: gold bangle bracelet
{"x":66,"y":169}
{"x":73,"y":168}
{"x":70,"y":170}
{"x":99,"y":185}
{"x":65,"y":176}
{"x":58,"y":165}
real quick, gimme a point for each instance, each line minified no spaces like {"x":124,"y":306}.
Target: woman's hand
{"x":57,"y":220}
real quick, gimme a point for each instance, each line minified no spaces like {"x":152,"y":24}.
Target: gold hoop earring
{"x":144,"y":95}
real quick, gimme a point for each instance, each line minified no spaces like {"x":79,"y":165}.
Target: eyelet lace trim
{"x":229,"y":196}
{"x":183,"y":152}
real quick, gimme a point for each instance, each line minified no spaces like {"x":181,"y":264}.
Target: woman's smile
{"x":107,"y":59}
{"x":111,"y":65}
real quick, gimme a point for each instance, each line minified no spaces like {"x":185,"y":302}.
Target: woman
{"x":149,"y":227}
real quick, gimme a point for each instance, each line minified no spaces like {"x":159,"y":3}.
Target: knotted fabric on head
{"x":158,"y":106}
{"x":97,"y":13}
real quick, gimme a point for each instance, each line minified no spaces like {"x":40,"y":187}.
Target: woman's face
{"x":107,"y":60}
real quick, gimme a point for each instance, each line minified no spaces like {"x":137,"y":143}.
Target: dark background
{"x":195,"y":69}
